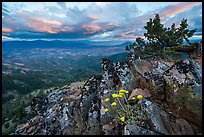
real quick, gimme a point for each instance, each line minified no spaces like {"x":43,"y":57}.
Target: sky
{"x":95,"y":21}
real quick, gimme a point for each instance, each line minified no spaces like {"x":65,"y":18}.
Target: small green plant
{"x":124,"y":112}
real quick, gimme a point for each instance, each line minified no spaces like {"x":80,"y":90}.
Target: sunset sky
{"x":92,"y":20}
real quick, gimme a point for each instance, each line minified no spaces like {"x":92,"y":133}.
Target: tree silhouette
{"x":155,"y":31}
{"x":183,"y":32}
{"x":159,"y":38}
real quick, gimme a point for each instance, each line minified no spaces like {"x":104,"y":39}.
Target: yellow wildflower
{"x":122,"y":119}
{"x":126,"y":92}
{"x":115,"y":95}
{"x":139,"y":97}
{"x":121,"y":94}
{"x":122,"y":91}
{"x":106,"y":110}
{"x":107,"y":99}
{"x":133,"y":98}
{"x":113,"y":104}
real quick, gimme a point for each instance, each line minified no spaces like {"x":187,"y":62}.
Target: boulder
{"x":183,"y":128}
{"x":154,"y":112}
{"x":108,"y":129}
{"x":138,"y":91}
{"x":135,"y":130}
{"x":183,"y":90}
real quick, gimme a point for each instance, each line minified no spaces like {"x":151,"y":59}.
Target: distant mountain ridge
{"x":59,"y":44}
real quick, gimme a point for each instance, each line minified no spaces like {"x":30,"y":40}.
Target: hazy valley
{"x":27,"y":66}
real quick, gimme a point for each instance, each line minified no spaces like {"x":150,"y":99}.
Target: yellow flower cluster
{"x":106,"y":110}
{"x":123,"y":91}
{"x":121,"y":94}
{"x":122,"y":119}
{"x":139,"y":96}
{"x":113,"y":104}
{"x":125,"y":112}
{"x":107,"y":99}
{"x":115,"y":95}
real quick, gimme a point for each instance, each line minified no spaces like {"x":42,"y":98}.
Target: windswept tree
{"x":160,"y":37}
{"x":155,"y":31}
{"x":183,"y":33}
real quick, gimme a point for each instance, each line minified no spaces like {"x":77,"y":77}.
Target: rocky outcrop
{"x":176,"y":88}
{"x":171,"y":99}
{"x":66,"y":111}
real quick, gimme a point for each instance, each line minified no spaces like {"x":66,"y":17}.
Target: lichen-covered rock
{"x":89,"y":95}
{"x":57,"y":114}
{"x":156,"y":82}
{"x":117,"y":75}
{"x":110,"y":78}
{"x":108,"y":129}
{"x":182,"y":82}
{"x":135,"y":130}
{"x":38,"y":105}
{"x":94,"y":126}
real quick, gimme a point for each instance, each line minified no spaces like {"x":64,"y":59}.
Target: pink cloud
{"x":67,"y":29}
{"x":50,"y":22}
{"x":94,"y":17}
{"x":129,"y":35}
{"x":124,"y":34}
{"x":44,"y":25}
{"x":176,"y":8}
{"x":6,"y":30}
{"x":110,"y":26}
{"x":91,"y":28}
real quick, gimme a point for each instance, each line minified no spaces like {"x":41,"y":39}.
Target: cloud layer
{"x":92,"y":21}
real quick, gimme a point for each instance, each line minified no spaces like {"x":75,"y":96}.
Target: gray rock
{"x":183,"y":89}
{"x":135,"y":130}
{"x":94,"y":125}
{"x":154,"y":114}
{"x":183,"y":128}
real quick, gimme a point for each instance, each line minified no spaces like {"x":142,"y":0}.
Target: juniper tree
{"x":160,"y":37}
